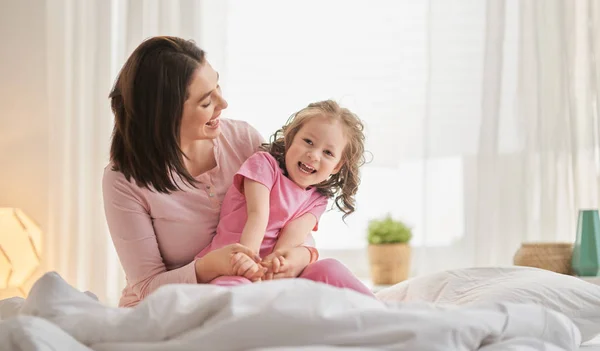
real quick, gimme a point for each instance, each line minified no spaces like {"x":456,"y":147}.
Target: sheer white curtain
{"x":538,"y":149}
{"x":79,"y":78}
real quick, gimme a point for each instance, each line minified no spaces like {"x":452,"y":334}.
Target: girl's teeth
{"x":305,"y":168}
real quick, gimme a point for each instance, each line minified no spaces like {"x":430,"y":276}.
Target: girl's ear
{"x":337,"y":168}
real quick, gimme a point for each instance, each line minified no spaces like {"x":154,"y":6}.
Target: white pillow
{"x":10,"y":307}
{"x":574,"y":297}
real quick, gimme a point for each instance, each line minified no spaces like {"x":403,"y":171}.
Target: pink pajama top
{"x":287,"y":201}
{"x":157,"y":235}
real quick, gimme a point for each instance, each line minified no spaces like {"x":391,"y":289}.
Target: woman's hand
{"x":287,"y":263}
{"x":221,"y":262}
{"x":246,"y":267}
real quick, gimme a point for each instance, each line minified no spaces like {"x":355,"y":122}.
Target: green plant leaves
{"x":388,"y":231}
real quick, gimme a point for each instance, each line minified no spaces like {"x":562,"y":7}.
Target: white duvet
{"x":279,"y":315}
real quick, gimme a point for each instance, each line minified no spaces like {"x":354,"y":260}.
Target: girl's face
{"x":316,"y":151}
{"x":201,"y":110}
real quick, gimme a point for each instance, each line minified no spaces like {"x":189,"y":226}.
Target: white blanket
{"x":278,"y":315}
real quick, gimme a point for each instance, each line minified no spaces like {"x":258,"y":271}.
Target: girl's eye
{"x":208,"y":104}
{"x":308,"y":141}
{"x":328,"y":153}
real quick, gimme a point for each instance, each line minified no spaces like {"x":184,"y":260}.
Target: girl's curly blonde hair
{"x":344,"y":184}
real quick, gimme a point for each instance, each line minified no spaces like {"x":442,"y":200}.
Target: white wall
{"x":23,"y":108}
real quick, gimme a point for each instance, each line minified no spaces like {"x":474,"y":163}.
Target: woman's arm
{"x":133,"y":236}
{"x":257,"y":204}
{"x":132,"y":233}
{"x":221,"y":262}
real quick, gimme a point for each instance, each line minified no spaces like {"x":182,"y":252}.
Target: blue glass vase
{"x":585,"y":261}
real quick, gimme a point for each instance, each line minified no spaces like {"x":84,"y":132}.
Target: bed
{"x":592,"y":345}
{"x":576,"y":298}
{"x":487,"y":309}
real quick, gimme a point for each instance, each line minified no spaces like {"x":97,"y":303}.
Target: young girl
{"x":279,"y":194}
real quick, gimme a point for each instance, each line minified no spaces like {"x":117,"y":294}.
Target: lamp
{"x":20,"y":248}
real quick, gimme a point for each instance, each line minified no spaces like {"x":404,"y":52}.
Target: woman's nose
{"x":222,"y":102}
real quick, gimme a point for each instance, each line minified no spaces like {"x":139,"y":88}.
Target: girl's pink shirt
{"x":157,"y":235}
{"x":287,"y":201}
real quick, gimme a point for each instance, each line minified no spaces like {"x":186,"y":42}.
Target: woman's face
{"x":201,"y":110}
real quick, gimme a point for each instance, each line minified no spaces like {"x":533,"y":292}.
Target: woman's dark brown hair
{"x":147,"y":101}
{"x":344,"y":184}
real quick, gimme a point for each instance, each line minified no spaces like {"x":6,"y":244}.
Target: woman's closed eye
{"x":210,"y":102}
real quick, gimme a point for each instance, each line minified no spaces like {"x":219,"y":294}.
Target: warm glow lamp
{"x":20,"y":248}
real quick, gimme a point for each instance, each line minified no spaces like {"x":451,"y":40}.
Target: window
{"x":414,"y":192}
{"x":372,"y":57}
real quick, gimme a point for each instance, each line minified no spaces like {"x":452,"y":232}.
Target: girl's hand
{"x":291,"y":263}
{"x":220,"y":262}
{"x":274,"y":263}
{"x":246,"y":267}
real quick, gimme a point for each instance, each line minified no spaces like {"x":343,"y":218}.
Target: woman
{"x":172,"y":160}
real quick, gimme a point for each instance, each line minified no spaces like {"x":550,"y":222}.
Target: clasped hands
{"x":273,"y":266}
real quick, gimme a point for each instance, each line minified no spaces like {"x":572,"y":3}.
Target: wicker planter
{"x":390,"y":263}
{"x":555,"y":257}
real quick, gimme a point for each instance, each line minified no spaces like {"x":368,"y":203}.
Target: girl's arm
{"x":294,"y":233}
{"x":292,"y":243}
{"x":292,"y":238}
{"x":257,"y":203}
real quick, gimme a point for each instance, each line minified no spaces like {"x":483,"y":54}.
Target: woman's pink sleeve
{"x":133,"y":236}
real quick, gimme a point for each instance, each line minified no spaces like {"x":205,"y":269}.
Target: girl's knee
{"x":329,"y":264}
{"x":333,"y":272}
{"x":326,"y":267}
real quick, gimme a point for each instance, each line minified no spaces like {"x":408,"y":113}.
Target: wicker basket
{"x":390,"y":263}
{"x":555,"y":257}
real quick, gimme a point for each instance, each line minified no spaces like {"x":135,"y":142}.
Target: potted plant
{"x":389,"y":250}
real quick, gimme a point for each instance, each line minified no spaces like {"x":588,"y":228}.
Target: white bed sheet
{"x":574,"y":297}
{"x":277,"y":315}
{"x":592,"y":345}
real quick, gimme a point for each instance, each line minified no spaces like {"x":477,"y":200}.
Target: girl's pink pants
{"x":328,"y":271}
